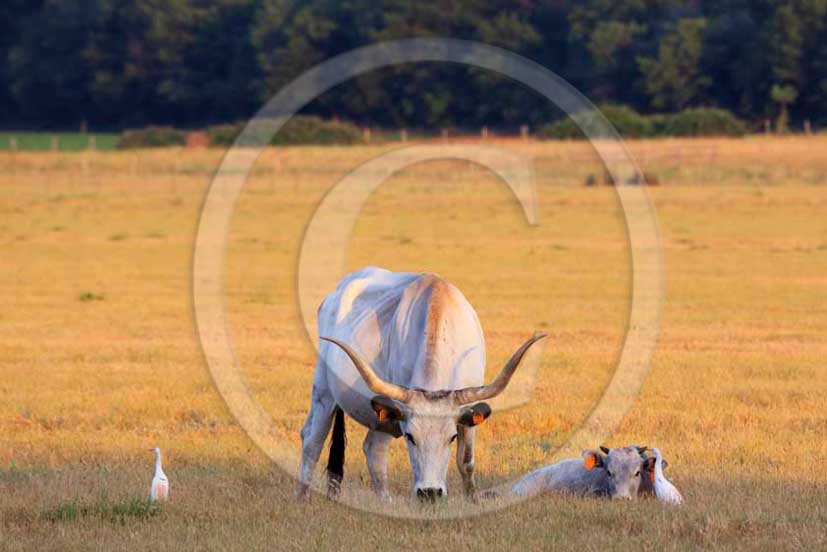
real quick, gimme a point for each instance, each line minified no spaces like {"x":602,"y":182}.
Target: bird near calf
{"x":664,"y":490}
{"x":159,"y":490}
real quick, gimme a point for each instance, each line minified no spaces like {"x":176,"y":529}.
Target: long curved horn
{"x":374,"y":382}
{"x":473,"y":394}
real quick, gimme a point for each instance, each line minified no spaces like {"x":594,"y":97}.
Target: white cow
{"x":402,"y":354}
{"x":612,"y":473}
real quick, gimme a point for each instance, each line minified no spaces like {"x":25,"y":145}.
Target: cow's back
{"x":416,"y":330}
{"x":567,"y":476}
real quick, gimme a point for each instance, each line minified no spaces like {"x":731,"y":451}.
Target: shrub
{"x":628,"y":122}
{"x":704,"y":121}
{"x":152,"y":137}
{"x":313,"y":130}
{"x":224,"y":135}
{"x":300,"y":129}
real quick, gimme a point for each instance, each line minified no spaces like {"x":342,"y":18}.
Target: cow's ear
{"x":474,"y":415}
{"x":386,"y":409}
{"x":592,"y":459}
{"x":604,"y":449}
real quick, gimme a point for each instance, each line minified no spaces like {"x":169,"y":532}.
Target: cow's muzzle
{"x":429,"y":495}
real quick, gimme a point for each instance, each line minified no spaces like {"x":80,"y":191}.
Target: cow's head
{"x":623,"y":469}
{"x":430,"y":420}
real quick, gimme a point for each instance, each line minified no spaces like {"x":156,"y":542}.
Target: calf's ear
{"x":386,"y":409}
{"x":474,"y":415}
{"x":592,"y":459}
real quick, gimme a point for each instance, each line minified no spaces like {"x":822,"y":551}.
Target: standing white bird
{"x":664,"y":490}
{"x":160,"y":484}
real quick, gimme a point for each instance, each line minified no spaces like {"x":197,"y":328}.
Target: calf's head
{"x":622,"y":469}
{"x":430,"y":420}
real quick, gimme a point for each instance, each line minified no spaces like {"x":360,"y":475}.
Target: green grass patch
{"x":88,"y":296}
{"x":66,"y":141}
{"x":119,"y":512}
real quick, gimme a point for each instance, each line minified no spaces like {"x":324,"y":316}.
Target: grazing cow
{"x":402,"y":354}
{"x":614,"y":473}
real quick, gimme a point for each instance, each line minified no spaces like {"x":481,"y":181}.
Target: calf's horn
{"x":374,"y":382}
{"x":474,"y":394}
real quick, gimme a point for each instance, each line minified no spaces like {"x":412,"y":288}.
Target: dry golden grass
{"x":99,"y":358}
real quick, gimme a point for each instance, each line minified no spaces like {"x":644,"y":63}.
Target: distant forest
{"x":113,"y":64}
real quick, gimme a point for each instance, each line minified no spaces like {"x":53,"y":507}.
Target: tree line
{"x":190,"y":63}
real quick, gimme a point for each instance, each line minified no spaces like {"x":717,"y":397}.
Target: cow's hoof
{"x":303,"y":493}
{"x":333,"y":488}
{"x":383,"y":496}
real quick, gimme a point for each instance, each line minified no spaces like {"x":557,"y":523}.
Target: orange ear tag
{"x":477,"y":418}
{"x":589,"y":461}
{"x":652,"y":476}
{"x":383,"y":414}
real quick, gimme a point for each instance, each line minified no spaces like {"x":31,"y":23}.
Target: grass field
{"x":66,"y":141}
{"x":99,"y":357}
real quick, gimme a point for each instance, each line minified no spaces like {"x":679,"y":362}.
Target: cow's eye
{"x":608,"y":473}
{"x":454,"y":438}
{"x":410,"y":439}
{"x":637,"y":474}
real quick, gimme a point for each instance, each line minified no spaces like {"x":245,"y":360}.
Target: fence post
{"x":93,"y":143}
{"x":444,"y":133}
{"x":767,"y":126}
{"x":366,"y":134}
{"x":13,"y":143}
{"x":484,"y":132}
{"x":55,"y":145}
{"x":403,"y":135}
{"x":524,"y":132}
{"x":807,"y":128}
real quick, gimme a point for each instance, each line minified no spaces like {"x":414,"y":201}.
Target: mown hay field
{"x":100,"y":358}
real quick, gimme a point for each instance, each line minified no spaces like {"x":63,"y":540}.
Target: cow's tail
{"x":336,"y":458}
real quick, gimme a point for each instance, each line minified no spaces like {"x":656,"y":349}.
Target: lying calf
{"x":614,"y":473}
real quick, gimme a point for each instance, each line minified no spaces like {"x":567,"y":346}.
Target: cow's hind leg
{"x":314,"y":433}
{"x":336,"y":458}
{"x":376,"y":451}
{"x":465,"y":459}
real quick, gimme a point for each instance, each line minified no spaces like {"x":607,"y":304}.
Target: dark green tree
{"x":49,"y":77}
{"x":675,"y":79}
{"x":193,"y":62}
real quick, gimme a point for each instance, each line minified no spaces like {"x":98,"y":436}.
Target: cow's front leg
{"x":465,"y":459}
{"x":314,"y":433}
{"x":376,"y":452}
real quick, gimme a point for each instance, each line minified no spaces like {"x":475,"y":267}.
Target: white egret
{"x":160,"y":484}
{"x":664,"y":490}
